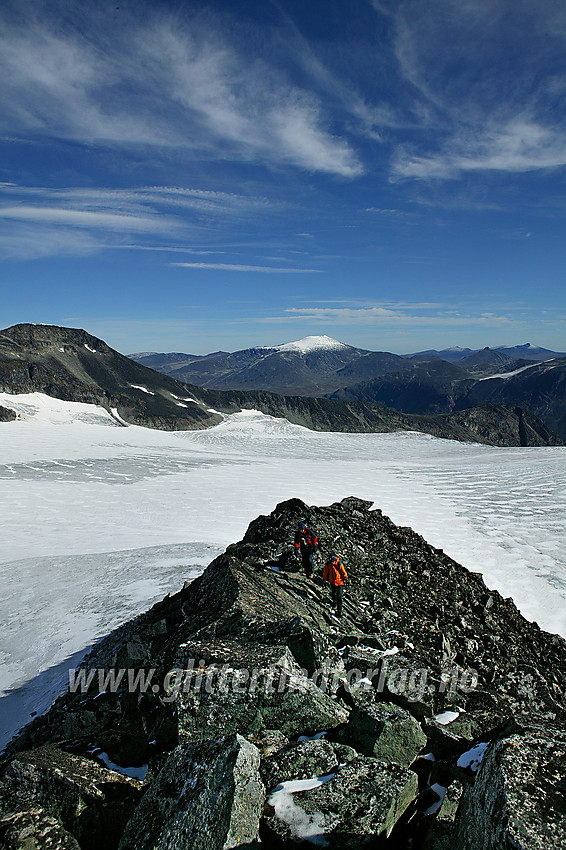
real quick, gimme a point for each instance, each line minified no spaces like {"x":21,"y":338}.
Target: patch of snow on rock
{"x":441,"y":791}
{"x":118,"y":418}
{"x":132,"y":772}
{"x":446,"y":717}
{"x":473,"y":758}
{"x":316,"y":737}
{"x":143,"y":389}
{"x":309,"y":827}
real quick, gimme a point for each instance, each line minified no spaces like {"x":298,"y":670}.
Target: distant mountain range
{"x":426,"y":382}
{"x":71,"y":364}
{"x":515,"y":352}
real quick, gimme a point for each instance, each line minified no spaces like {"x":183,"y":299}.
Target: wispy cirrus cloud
{"x":491,"y":74}
{"x":234,"y":267}
{"x":135,"y":199}
{"x":39,"y":221}
{"x":519,"y":145}
{"x":135,"y":76}
{"x":22,"y":241}
{"x":88,"y":219}
{"x":387,"y":317}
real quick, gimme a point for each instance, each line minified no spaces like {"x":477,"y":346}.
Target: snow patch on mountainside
{"x":311,"y":343}
{"x":505,"y":375}
{"x":45,"y":410}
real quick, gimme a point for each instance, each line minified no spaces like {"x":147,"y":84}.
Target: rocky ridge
{"x":268,"y":719}
{"x":72,"y":365}
{"x":490,"y":424}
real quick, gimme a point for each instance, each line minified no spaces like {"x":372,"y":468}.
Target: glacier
{"x":100,"y":521}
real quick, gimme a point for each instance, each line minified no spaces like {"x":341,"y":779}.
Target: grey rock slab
{"x":208,"y":796}
{"x":518,"y":799}
{"x":263,"y":689}
{"x":34,"y":829}
{"x":90,"y":801}
{"x":304,"y":760}
{"x":385,"y":731}
{"x":363,"y":800}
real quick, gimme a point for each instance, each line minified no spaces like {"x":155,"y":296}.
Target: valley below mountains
{"x":72,"y":365}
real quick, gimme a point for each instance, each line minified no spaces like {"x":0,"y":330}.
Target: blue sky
{"x":194,"y":176}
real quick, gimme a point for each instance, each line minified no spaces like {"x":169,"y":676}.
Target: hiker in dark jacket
{"x":335,"y":573}
{"x":306,"y":543}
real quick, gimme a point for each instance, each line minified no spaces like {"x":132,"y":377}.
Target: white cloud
{"x":489,"y":75}
{"x":155,"y":80}
{"x":386,"y":317}
{"x":32,"y":215}
{"x":28,"y":242}
{"x":231,"y":267}
{"x":85,"y":218}
{"x":519,"y":145}
{"x":133,"y":201}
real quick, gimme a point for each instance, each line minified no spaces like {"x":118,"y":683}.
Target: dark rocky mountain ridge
{"x":509,"y":352}
{"x":491,"y":424}
{"x":309,"y":371}
{"x":75,"y":366}
{"x":420,"y":636}
{"x":434,"y":387}
{"x":72,"y":365}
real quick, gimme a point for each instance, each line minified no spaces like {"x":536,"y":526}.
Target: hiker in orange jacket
{"x":335,"y":573}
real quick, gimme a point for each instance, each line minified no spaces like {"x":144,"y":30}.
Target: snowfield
{"x":100,"y":520}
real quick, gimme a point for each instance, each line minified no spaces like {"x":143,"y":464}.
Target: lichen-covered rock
{"x":363,"y":800}
{"x":261,"y":688}
{"x":304,"y":760}
{"x":409,"y":680}
{"x":518,"y":799}
{"x":7,"y":414}
{"x":90,"y":801}
{"x":269,"y":741}
{"x":34,"y":829}
{"x":207,"y":796}
{"x":450,"y":803}
{"x":385,"y":731}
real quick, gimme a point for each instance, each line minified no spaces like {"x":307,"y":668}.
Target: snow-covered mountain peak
{"x":311,"y":343}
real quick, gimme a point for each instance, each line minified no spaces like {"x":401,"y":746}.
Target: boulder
{"x":385,"y":731}
{"x":450,"y":803}
{"x":90,"y":801}
{"x":518,"y":799}
{"x":208,"y":795}
{"x":7,"y":414}
{"x":349,"y":809}
{"x":304,"y":760}
{"x":261,"y":688}
{"x":34,"y":829}
{"x":269,"y":741}
{"x":409,"y":681}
